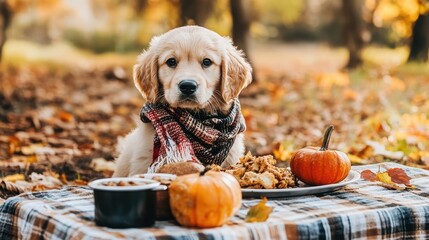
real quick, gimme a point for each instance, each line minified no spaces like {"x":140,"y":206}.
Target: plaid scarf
{"x":182,"y":135}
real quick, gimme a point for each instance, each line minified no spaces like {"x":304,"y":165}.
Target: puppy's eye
{"x":206,"y":62}
{"x":171,"y":62}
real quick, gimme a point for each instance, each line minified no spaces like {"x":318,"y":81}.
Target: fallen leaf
{"x":31,"y":149}
{"x":11,"y":187}
{"x":349,"y":93}
{"x":368,"y":175}
{"x":63,"y":178}
{"x":355,"y":159}
{"x":80,"y":182}
{"x":283,"y":151}
{"x":47,"y":180}
{"x":14,"y":144}
{"x":399,"y":176}
{"x":101,"y":164}
{"x":327,"y":80}
{"x":31,"y":159}
{"x":384,"y":178}
{"x":259,"y":212}
{"x":14,"y":177}
{"x":65,"y":116}
{"x":363,"y":153}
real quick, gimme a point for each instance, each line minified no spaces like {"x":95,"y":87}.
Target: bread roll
{"x":181,"y":168}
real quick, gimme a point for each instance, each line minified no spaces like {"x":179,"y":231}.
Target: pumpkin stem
{"x":327,"y":138}
{"x":206,"y":169}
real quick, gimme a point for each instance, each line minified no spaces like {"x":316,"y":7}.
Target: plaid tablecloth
{"x":358,"y":211}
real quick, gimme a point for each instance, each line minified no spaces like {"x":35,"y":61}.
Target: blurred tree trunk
{"x":419,"y":45}
{"x":353,"y":31}
{"x":240,"y":24}
{"x":241,"y":20}
{"x":195,"y":12}
{"x":5,"y":18}
{"x":140,"y":5}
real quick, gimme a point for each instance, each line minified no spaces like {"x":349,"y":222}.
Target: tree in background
{"x":419,"y":44}
{"x":241,"y":20}
{"x":353,"y":31}
{"x":195,"y":11}
{"x":5,"y":18}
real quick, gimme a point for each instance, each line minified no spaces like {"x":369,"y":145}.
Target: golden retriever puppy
{"x":191,"y":78}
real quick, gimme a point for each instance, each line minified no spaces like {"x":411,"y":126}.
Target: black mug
{"x":126,"y":206}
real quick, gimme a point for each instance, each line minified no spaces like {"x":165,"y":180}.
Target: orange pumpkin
{"x":206,"y":199}
{"x":320,"y":166}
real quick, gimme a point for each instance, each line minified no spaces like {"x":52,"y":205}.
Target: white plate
{"x":146,"y":184}
{"x":299,"y":191}
{"x":152,"y":175}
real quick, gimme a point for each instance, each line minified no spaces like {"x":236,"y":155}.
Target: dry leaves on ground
{"x":67,"y":120}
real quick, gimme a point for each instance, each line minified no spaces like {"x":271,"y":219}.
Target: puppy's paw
{"x":181,"y":168}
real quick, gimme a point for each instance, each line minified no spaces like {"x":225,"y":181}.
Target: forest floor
{"x":63,"y":110}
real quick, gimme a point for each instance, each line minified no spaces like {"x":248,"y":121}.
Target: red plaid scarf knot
{"x":183,"y":135}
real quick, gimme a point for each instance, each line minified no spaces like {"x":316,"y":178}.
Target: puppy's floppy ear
{"x":146,"y":74}
{"x":236,"y":72}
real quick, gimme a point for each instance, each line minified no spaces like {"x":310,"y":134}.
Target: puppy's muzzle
{"x":188,"y":87}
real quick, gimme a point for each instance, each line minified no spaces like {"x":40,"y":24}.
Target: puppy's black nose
{"x":188,"y":87}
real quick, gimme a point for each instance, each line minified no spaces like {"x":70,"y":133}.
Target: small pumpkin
{"x":206,"y":199}
{"x":320,"y":166}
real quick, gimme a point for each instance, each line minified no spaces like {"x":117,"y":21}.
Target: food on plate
{"x":320,"y":166}
{"x":206,"y":199}
{"x":259,"y":173}
{"x":181,"y":168}
{"x":122,"y":183}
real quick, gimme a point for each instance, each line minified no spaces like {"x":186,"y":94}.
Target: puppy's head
{"x":191,"y":67}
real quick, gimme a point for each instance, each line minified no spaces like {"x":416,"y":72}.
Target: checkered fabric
{"x":360,"y":210}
